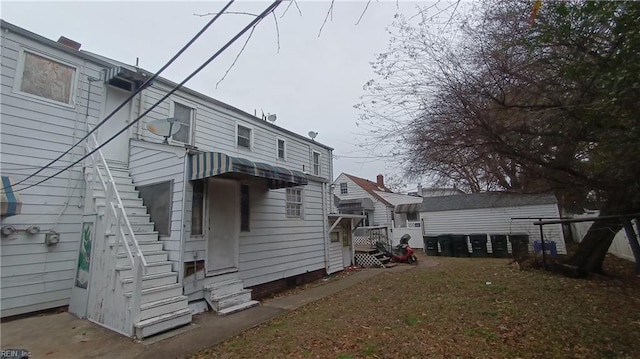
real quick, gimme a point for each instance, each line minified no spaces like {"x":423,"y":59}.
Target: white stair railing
{"x":115,"y":217}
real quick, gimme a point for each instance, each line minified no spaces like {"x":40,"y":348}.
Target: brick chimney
{"x":69,"y":43}
{"x":380,"y":181}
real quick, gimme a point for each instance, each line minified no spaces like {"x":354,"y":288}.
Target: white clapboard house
{"x":197,"y":203}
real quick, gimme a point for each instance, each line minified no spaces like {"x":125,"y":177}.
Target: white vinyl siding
{"x":496,"y":221}
{"x":153,"y":163}
{"x":217,"y":131}
{"x":34,"y":132}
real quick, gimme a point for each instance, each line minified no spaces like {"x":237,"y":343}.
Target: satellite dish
{"x":313,"y":135}
{"x":271,"y":118}
{"x":165,"y":127}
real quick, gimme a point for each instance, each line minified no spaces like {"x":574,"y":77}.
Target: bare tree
{"x":520,"y":102}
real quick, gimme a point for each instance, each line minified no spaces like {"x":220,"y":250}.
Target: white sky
{"x":311,"y":84}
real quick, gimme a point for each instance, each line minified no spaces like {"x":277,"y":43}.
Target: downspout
{"x":325,"y":237}
{"x":182,"y":219}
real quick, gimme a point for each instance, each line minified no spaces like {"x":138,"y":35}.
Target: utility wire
{"x":137,"y":91}
{"x":213,"y":57}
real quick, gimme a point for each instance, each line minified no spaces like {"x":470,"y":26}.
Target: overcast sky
{"x":311,"y":83}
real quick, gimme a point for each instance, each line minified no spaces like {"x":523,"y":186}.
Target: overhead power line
{"x":256,"y":20}
{"x":137,"y":91}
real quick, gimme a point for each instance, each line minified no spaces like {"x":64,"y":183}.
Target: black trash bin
{"x":460,"y":246}
{"x":446,"y":245}
{"x":478,"y":245}
{"x":430,"y":245}
{"x":519,"y":245}
{"x":499,"y":245}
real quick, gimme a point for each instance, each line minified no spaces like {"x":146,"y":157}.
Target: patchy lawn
{"x":464,"y":308}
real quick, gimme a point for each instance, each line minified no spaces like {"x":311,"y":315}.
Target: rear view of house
{"x":197,"y":205}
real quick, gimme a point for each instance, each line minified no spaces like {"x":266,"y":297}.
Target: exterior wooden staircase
{"x":133,"y":287}
{"x":227,"y":295}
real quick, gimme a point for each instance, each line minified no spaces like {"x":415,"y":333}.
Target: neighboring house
{"x":360,"y":196}
{"x":226,"y":208}
{"x":488,"y":213}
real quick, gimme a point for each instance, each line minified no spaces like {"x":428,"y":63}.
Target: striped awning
{"x":209,"y":164}
{"x":408,"y":208}
{"x":11,"y":204}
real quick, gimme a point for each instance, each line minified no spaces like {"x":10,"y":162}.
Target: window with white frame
{"x":184,"y":115}
{"x":197,"y":208}
{"x":343,"y":188}
{"x":244,"y":137}
{"x":46,"y":78}
{"x":281,"y":148}
{"x":294,"y":203}
{"x":316,"y":163}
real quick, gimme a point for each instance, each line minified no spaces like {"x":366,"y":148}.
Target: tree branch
{"x":237,"y":56}
{"x":329,"y":12}
{"x":363,"y":11}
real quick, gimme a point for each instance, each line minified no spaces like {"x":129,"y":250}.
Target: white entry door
{"x":118,"y":148}
{"x":224,"y":226}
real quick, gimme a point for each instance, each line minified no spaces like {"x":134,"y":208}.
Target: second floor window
{"x":343,"y":188}
{"x":281,"y":149}
{"x":244,"y":137}
{"x":46,"y":78}
{"x":316,"y":163}
{"x":184,"y":114}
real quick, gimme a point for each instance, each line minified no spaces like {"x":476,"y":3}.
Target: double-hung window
{"x":244,"y":136}
{"x":184,"y":118}
{"x":294,"y":204}
{"x":281,"y":149}
{"x":316,"y":163}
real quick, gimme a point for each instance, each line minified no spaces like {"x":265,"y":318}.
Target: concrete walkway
{"x":65,"y":336}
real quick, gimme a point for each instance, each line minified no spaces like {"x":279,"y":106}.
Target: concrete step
{"x":155,"y":325}
{"x":229,"y":300}
{"x":158,"y":293}
{"x":163,"y":306}
{"x":150,"y":257}
{"x":239,"y":307}
{"x":225,"y":287}
{"x":152,"y":268}
{"x":151,"y":280}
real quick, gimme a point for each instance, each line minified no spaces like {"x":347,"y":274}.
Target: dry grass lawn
{"x":463,"y":308}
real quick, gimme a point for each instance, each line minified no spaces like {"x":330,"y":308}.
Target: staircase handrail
{"x":117,"y":207}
